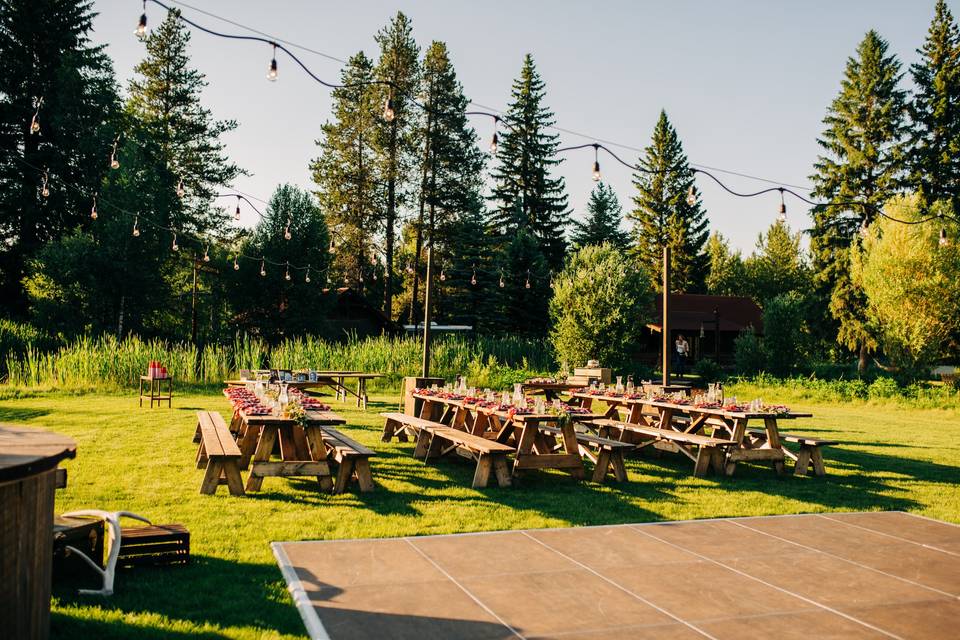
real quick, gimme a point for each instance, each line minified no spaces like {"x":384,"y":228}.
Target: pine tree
{"x":934,"y":140}
{"x":523,"y":277}
{"x":662,"y":216}
{"x":45,"y":51}
{"x":451,"y":165}
{"x":725,"y":271}
{"x":525,"y":197}
{"x":346,"y":175}
{"x":777,"y":266}
{"x":863,"y":163}
{"x":603,"y":221}
{"x":395,"y":140}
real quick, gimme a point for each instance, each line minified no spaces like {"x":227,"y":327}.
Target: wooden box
{"x":157,"y":544}
{"x":602,"y":374}
{"x":85,"y":534}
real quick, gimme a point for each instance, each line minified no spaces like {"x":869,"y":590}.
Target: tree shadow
{"x":208,"y":591}
{"x":21,"y":414}
{"x":63,"y":625}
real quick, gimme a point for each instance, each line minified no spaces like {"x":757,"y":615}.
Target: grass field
{"x":143,"y":460}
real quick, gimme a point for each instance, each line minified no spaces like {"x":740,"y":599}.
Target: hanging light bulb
{"x":44,"y":190}
{"x":944,"y":240}
{"x":782,"y":216}
{"x":409,"y":268}
{"x":286,"y":231}
{"x":180,"y":190}
{"x":114,"y":163}
{"x":286,"y":276}
{"x":263,"y":267}
{"x":360,"y":278}
{"x":863,"y":228}
{"x":596,"y":163}
{"x":332,"y":244}
{"x":494,"y":140}
{"x":236,"y":214}
{"x":206,"y":253}
{"x":307,"y":278}
{"x":388,"y":113}
{"x":136,"y":226}
{"x":175,"y":246}
{"x":236,"y":265}
{"x":527,"y":284}
{"x":141,"y":30}
{"x":272,"y":73}
{"x":502,"y":283}
{"x":93,"y":210}
{"x":691,"y":196}
{"x":35,"y":120}
{"x":443,"y":276}
{"x":473,"y":276}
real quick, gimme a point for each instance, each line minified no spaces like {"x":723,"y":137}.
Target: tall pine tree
{"x":863,"y":162}
{"x":395,"y":140}
{"x":347,"y":177}
{"x":45,"y":51}
{"x":525,"y":196}
{"x":602,"y":224}
{"x":662,"y":217}
{"x":934,"y":140}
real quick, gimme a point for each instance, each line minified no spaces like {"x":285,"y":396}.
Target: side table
{"x":156,"y":395}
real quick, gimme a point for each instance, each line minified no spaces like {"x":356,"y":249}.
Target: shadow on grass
{"x":20,"y":414}
{"x":208,"y":591}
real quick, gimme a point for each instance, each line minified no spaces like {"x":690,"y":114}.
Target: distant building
{"x":698,"y":318}
{"x":350,"y":313}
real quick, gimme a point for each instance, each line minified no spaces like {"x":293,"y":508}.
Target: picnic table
{"x":302,"y":448}
{"x":535,"y":449}
{"x":687,"y":418}
{"x":551,"y":390}
{"x":336,"y":380}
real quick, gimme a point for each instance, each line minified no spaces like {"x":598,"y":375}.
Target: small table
{"x":156,"y":395}
{"x":336,"y":380}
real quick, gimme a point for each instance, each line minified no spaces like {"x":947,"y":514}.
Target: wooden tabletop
{"x":520,"y":417}
{"x":690,"y":407}
{"x":25,"y":451}
{"x":314,"y":418}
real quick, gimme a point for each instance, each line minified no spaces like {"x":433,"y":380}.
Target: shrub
{"x":783,"y":332}
{"x":883,"y":387}
{"x":748,"y":353}
{"x":708,"y":370}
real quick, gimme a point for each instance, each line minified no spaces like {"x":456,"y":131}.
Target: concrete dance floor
{"x":838,"y":575}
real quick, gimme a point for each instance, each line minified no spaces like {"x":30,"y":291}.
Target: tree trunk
{"x":419,"y":244}
{"x":391,"y":219}
{"x":862,"y":362}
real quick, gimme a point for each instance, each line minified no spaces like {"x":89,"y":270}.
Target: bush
{"x":783,"y":332}
{"x":599,"y":300}
{"x":748,"y":353}
{"x":708,"y":370}
{"x":883,"y":387}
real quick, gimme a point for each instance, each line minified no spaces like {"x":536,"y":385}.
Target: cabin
{"x":709,"y":323}
{"x":351,"y":313}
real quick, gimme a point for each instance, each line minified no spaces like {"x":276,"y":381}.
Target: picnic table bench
{"x":352,"y":457}
{"x":808,"y":455}
{"x":435,"y":439}
{"x":608,"y":457}
{"x":219,"y":453}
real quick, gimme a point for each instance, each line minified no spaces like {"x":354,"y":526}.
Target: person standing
{"x":683,"y":350}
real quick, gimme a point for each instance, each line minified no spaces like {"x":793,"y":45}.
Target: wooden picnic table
{"x":336,"y":380}
{"x":688,"y":418}
{"x":533,"y":446}
{"x":302,"y":448}
{"x":551,"y":390}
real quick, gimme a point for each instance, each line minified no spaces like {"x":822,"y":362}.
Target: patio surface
{"x":837,"y":575}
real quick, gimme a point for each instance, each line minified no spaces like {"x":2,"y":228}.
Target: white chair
{"x":112,"y":532}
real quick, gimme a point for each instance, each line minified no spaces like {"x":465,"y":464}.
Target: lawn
{"x":142,"y":460}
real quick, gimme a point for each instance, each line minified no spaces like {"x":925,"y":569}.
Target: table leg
{"x":268,"y":434}
{"x":570,"y":445}
{"x":738,"y":431}
{"x":318,"y":453}
{"x":773,"y":440}
{"x":141,"y":393}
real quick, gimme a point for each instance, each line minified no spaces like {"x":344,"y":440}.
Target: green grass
{"x":142,"y":460}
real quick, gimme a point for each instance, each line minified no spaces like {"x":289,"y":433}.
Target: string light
{"x":443,"y":276}
{"x":44,"y":190}
{"x":782,"y":216}
{"x":527,"y":284}
{"x":307,"y":278}
{"x":272,"y":73}
{"x":114,"y":163}
{"x":141,"y":30}
{"x":180,"y":190}
{"x":236,"y":265}
{"x":93,"y":210}
{"x":263,"y":267}
{"x":388,"y":113}
{"x":35,"y":120}
{"x":332,"y":244}
{"x":944,"y":240}
{"x":494,"y":140}
{"x":286,"y":231}
{"x":236,"y":215}
{"x":175,"y":246}
{"x":286,"y":276}
{"x":596,"y":163}
{"x":136,"y":227}
{"x":473,"y":276}
{"x":409,"y":268}
{"x":206,"y":253}
{"x":691,"y":196}
{"x":502,"y":283}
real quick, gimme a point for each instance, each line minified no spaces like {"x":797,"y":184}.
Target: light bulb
{"x":502,"y":283}
{"x":388,"y":113}
{"x":691,"y":196}
{"x":272,"y":73}
{"x":286,"y":276}
{"x":141,"y":30}
{"x":409,"y":269}
{"x":206,"y":254}
{"x":136,"y":228}
{"x":944,"y":241}
{"x":93,"y":210}
{"x":263,"y":268}
{"x":527,"y":285}
{"x":473,"y":279}
{"x":493,"y":144}
{"x":114,"y":163}
{"x":236,"y":214}
{"x":45,"y":192}
{"x":443,"y":276}
{"x":286,"y":233}
{"x":782,"y":215}
{"x":307,"y":278}
{"x":596,"y":171}
{"x":332,"y":245}
{"x":863,"y":228}
{"x":34,"y":125}
{"x":175,"y":246}
{"x":374,"y":276}
{"x":236,"y":265}
{"x":180,"y":190}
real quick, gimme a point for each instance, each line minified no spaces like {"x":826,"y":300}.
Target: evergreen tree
{"x":523,"y":277}
{"x":777,"y":266}
{"x":863,"y":163}
{"x":346,"y":174}
{"x":469,"y":288}
{"x":45,"y":51}
{"x":603,"y":221}
{"x":395,"y":139}
{"x":525,"y":197}
{"x":934,"y":144}
{"x":726,"y":275}
{"x":662,"y":217}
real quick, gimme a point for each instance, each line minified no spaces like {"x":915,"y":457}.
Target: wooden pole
{"x":428,"y":290}
{"x":665,"y":320}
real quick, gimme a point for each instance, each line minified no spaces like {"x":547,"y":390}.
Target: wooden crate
{"x":85,"y":534}
{"x":154,"y":545}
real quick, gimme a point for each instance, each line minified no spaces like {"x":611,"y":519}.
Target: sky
{"x":746,"y":83}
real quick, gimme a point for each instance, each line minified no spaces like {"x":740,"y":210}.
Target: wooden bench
{"x":608,"y":458}
{"x":218,"y":451}
{"x":352,"y":457}
{"x":710,"y":451}
{"x":809,"y":453}
{"x":435,"y":439}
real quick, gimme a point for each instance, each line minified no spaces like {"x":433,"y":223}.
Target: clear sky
{"x":746,"y":82}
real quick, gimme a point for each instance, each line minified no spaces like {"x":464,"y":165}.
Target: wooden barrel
{"x":28,"y":463}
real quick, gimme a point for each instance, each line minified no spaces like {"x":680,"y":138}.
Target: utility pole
{"x":428,"y":290}
{"x":716,"y":334}
{"x":665,"y":320}
{"x":198,"y":266}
